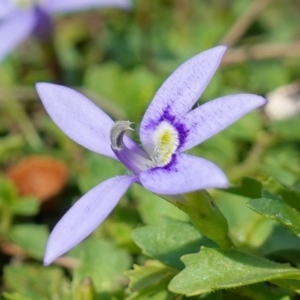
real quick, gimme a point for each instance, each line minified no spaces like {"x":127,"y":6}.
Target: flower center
{"x":165,"y":143}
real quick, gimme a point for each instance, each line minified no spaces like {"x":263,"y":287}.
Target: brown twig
{"x":261,"y":52}
{"x":244,"y":22}
{"x":15,"y":250}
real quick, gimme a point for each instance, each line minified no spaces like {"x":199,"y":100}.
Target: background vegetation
{"x":119,"y":59}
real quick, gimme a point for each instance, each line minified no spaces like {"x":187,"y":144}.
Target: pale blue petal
{"x":6,"y":8}
{"x":213,"y":116}
{"x":181,"y":90}
{"x":14,"y":29}
{"x":184,"y":174}
{"x":85,"y":216}
{"x":62,"y":6}
{"x":79,"y":118}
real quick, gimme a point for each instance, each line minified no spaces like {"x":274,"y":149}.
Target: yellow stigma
{"x":165,"y":142}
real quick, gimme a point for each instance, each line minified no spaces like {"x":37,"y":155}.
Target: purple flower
{"x":168,"y":128}
{"x":20,"y":18}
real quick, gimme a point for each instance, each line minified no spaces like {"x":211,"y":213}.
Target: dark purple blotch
{"x":181,"y":128}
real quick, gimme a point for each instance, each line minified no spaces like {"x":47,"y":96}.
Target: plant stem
{"x":205,"y":215}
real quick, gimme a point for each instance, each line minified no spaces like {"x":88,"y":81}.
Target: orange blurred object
{"x":40,"y":176}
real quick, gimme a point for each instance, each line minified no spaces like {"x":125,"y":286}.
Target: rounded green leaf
{"x":31,"y":238}
{"x":274,"y":207}
{"x":26,"y":206}
{"x":214,"y":269}
{"x":103,"y":262}
{"x":169,"y":240}
{"x":37,"y":282}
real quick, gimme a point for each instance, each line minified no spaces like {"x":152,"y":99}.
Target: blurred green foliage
{"x":119,"y":59}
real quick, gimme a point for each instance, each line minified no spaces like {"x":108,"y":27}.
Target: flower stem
{"x":205,"y":215}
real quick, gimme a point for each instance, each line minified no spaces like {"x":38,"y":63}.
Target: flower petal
{"x":14,"y":29}
{"x":85,"y":216}
{"x":6,"y":8}
{"x":213,"y":116}
{"x":79,"y":118}
{"x":184,"y":174}
{"x":44,"y":27}
{"x":59,"y":6}
{"x":181,"y":90}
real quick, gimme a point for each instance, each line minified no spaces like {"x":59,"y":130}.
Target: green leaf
{"x":150,"y":281}
{"x":291,"y":196}
{"x":248,"y":187}
{"x":10,"y":145}
{"x":103,"y":263}
{"x":119,"y":226}
{"x":31,"y":238}
{"x":290,"y":284}
{"x":205,"y":215}
{"x":273,"y":247}
{"x":8,"y":193}
{"x":243,"y":222}
{"x":169,"y":240}
{"x":218,"y":295}
{"x":282,"y":163}
{"x":149,"y":275}
{"x":275,"y":72}
{"x":214,"y":269}
{"x":162,"y":294}
{"x":86,"y":290}
{"x":26,"y":206}
{"x":247,"y":128}
{"x":37,"y":282}
{"x":259,"y":291}
{"x":280,"y":173}
{"x":220,"y":149}
{"x":98,"y":169}
{"x":288,"y":128}
{"x":152,"y":207}
{"x":14,"y":296}
{"x":256,"y":291}
{"x":121,"y":233}
{"x":123,"y":87}
{"x":274,"y":207}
